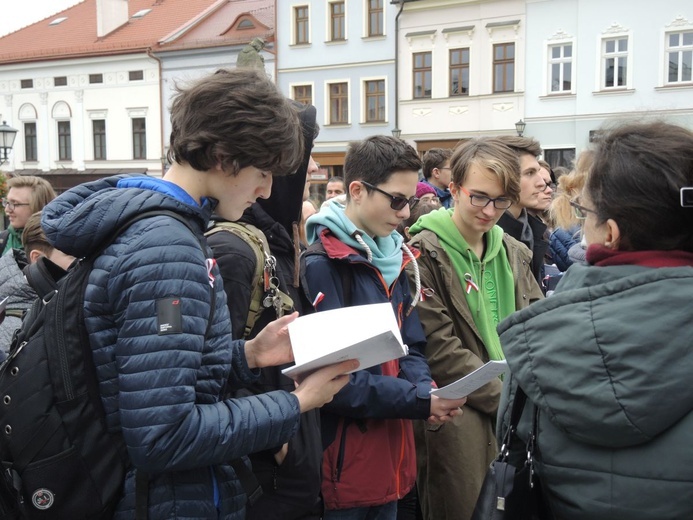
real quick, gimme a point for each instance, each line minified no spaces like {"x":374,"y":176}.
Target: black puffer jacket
{"x":290,"y":490}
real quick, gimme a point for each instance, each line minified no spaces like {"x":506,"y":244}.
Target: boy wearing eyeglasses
{"x":473,"y":276}
{"x":357,"y":257}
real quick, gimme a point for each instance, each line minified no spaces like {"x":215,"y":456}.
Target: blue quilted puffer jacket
{"x":162,"y":392}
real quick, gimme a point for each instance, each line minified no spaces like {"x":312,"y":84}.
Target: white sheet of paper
{"x":368,"y":333}
{"x":467,"y":384}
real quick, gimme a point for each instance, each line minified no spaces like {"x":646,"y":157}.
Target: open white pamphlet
{"x":368,"y":333}
{"x":473,"y":381}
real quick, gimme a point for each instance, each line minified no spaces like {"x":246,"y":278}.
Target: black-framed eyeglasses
{"x":581,"y":211}
{"x":481,"y":201}
{"x":397,"y":203}
{"x":11,"y":205}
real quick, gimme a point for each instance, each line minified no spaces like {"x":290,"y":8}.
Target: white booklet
{"x":368,"y":333}
{"x":473,"y":381}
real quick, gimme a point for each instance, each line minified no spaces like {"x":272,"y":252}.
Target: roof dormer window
{"x":58,"y":20}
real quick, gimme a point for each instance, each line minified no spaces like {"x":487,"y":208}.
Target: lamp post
{"x":7,"y":135}
{"x":396,"y":133}
{"x":520,"y":127}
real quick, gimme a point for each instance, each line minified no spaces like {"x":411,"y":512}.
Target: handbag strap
{"x":515,"y":414}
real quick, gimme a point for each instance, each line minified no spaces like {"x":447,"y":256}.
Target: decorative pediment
{"x":560,"y":34}
{"x":615,"y":28}
{"x":61,"y":110}
{"x":27,"y":112}
{"x":458,"y":110}
{"x":680,"y":23}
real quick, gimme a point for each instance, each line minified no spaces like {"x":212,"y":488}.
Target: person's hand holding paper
{"x":368,"y":333}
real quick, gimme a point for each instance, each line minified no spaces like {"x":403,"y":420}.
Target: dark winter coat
{"x":560,"y":242}
{"x":20,"y":295}
{"x":290,"y":490}
{"x":513,"y":227}
{"x":163,"y":392}
{"x":607,"y":360}
{"x":370,"y":456}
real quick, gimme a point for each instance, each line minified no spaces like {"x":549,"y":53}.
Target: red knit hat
{"x":422,"y":188}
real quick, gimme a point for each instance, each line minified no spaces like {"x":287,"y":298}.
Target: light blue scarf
{"x":386,"y":251}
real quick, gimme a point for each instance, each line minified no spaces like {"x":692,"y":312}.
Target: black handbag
{"x":509,"y":492}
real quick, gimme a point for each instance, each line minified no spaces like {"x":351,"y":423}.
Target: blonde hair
{"x":41,"y":190}
{"x":569,"y":188}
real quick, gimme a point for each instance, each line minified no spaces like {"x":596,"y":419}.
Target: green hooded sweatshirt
{"x":489,"y":283}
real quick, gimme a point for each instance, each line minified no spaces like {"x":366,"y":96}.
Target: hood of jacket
{"x":608,"y":357}
{"x":285,"y":202}
{"x":84,"y":217}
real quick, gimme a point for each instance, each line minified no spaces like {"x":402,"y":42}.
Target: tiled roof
{"x":183,"y":22}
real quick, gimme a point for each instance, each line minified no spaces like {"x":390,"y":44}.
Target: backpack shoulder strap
{"x":257,"y":242}
{"x":264,"y":279}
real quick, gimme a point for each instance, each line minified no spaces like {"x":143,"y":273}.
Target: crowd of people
{"x":579,"y":279}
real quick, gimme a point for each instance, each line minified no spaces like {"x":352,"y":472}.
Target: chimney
{"x":110,"y":14}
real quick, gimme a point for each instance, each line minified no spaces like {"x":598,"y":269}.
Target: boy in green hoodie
{"x":472,"y":276}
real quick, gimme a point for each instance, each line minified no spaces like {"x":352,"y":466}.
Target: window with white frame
{"x":30,"y":143}
{"x":615,"y":62}
{"x":679,"y":54}
{"x":375,"y":18}
{"x":504,"y":67}
{"x":301,"y":25}
{"x":303,"y":94}
{"x":374,"y":100}
{"x":64,"y":141}
{"x":339,"y":103}
{"x":337,"y":14}
{"x":561,"y":67}
{"x":422,"y":74}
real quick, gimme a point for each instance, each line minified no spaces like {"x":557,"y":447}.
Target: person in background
{"x":472,"y":276}
{"x":605,"y":362}
{"x":335,"y":186}
{"x":26,"y":195}
{"x":426,"y":193}
{"x":422,"y":208}
{"x":356,"y":257}
{"x":36,"y":244}
{"x":13,"y":283}
{"x":540,"y":210}
{"x":517,"y":221}
{"x":290,"y":474}
{"x":566,"y":239}
{"x":436,"y":172}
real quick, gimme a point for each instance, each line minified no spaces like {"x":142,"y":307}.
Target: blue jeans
{"x":385,"y":512}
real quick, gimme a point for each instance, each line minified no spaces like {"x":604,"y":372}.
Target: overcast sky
{"x":15,"y":14}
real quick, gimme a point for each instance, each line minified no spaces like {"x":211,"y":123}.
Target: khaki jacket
{"x":453,"y":459}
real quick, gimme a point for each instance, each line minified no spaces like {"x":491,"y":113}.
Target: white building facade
{"x":461,"y":69}
{"x":595,"y":63}
{"x":84,"y":114}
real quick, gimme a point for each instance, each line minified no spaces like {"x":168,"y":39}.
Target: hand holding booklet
{"x":473,"y":381}
{"x":368,"y":333}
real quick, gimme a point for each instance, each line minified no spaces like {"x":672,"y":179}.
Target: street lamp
{"x":520,"y":127}
{"x":7,"y":135}
{"x":396,"y":132}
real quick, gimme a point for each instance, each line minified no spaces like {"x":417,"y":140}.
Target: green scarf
{"x":14,"y":240}
{"x":489,"y":284}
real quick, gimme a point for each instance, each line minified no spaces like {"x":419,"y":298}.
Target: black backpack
{"x":59,"y":460}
